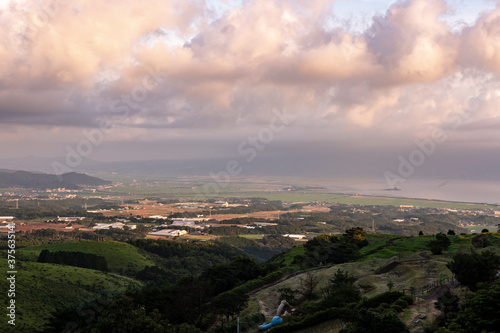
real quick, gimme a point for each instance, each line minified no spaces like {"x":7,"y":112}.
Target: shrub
{"x":408,"y":299}
{"x":402,"y":303}
{"x":396,"y":308}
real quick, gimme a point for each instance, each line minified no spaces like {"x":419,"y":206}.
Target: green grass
{"x":120,"y":256}
{"x":400,"y":246}
{"x":372,"y":246}
{"x":371,"y":237}
{"x":42,"y":289}
{"x":287,"y":257}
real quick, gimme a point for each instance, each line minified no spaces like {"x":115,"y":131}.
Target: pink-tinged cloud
{"x":408,"y":73}
{"x":481,"y":43}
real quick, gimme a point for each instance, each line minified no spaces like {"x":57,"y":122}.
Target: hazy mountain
{"x":282,"y":162}
{"x":27,"y":179}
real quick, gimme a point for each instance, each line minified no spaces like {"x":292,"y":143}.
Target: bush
{"x":314,"y":319}
{"x":246,"y":323}
{"x":368,"y":321}
{"x":382,"y":307}
{"x":401,"y":303}
{"x":408,"y":299}
{"x":74,"y":258}
{"x":472,"y":268}
{"x":396,"y":308}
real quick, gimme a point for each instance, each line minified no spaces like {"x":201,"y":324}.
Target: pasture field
{"x":310,"y":189}
{"x":43,"y":288}
{"x":121,"y":257}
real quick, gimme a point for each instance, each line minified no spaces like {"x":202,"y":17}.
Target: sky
{"x":415,"y":80}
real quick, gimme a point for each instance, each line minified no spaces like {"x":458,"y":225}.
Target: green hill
{"x":121,"y":257}
{"x":42,"y":289}
{"x":403,"y":263}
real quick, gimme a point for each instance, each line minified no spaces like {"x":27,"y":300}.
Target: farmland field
{"x":306,"y":190}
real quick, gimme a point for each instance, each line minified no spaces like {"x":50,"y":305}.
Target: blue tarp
{"x":274,"y":322}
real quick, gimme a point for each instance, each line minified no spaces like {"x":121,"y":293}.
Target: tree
{"x":229,"y":304}
{"x":480,"y":313}
{"x":444,"y":240}
{"x":420,"y":233}
{"x":435,"y":247}
{"x":448,"y":303}
{"x":341,"y":289}
{"x":123,"y":315}
{"x":369,"y":321}
{"x":357,"y":236}
{"x":451,"y":232}
{"x":308,"y":284}
{"x":325,"y":250}
{"x":440,"y":244}
{"x":484,"y":230}
{"x":472,"y":268}
{"x":390,"y":285}
{"x":289,"y":295}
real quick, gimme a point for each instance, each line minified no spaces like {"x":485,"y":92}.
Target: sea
{"x":473,"y":191}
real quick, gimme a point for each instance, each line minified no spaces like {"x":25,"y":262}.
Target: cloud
{"x":481,"y":43}
{"x":72,"y":64}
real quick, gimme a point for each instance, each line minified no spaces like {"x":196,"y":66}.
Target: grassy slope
{"x":42,"y":289}
{"x":120,"y":256}
{"x":414,"y":271}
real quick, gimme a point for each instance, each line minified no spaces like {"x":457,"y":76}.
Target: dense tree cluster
{"x":261,"y":249}
{"x":440,"y":244}
{"x":74,"y":258}
{"x":327,"y":249}
{"x":472,"y":268}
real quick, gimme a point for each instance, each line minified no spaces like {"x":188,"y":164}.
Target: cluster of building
{"x":115,"y":225}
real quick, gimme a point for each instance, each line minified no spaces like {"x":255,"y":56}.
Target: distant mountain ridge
{"x":71,"y":180}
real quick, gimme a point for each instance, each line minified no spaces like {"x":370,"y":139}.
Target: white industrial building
{"x":168,"y":233}
{"x":116,"y":225}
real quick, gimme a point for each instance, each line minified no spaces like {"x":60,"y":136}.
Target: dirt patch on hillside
{"x":264,"y":309}
{"x":388,"y":268}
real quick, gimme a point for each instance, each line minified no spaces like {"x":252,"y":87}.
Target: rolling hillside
{"x":121,"y":257}
{"x":405,"y":263}
{"x":27,"y":179}
{"x":43,"y":289}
